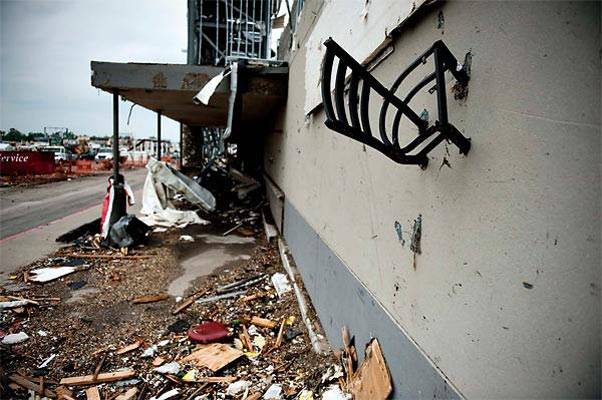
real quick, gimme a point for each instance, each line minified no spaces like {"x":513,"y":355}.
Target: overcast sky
{"x":45,"y":51}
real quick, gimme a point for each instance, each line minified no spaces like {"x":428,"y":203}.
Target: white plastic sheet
{"x":157,"y":209}
{"x":49,"y":274}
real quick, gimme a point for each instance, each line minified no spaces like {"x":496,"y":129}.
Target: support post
{"x":159,"y":135}
{"x":115,"y":136}
{"x":119,"y":201}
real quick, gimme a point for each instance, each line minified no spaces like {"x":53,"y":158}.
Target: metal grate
{"x":222,"y":30}
{"x":354,"y":121}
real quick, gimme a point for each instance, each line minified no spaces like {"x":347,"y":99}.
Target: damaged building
{"x":433,"y":167}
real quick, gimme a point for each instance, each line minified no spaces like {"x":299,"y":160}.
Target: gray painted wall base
{"x":340,"y":299}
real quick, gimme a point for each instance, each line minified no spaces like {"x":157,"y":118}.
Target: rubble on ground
{"x":132,"y":335}
{"x":94,"y":322}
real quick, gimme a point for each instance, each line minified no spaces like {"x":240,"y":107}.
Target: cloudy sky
{"x":45,"y":51}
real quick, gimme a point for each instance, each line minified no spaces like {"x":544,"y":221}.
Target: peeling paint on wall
{"x":416,"y":235}
{"x":399,"y":230}
{"x":416,"y":238}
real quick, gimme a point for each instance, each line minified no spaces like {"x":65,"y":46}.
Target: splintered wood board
{"x":106,"y":377}
{"x":214,"y":356}
{"x":372,"y":380}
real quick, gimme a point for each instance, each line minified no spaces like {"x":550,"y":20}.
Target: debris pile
{"x":95,"y":322}
{"x":239,"y":333}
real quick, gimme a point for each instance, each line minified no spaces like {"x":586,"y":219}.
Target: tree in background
{"x":13,"y":135}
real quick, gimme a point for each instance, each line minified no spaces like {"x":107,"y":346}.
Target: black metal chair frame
{"x":358,"y":125}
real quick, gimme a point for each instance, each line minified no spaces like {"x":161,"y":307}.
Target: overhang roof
{"x":169,"y":88}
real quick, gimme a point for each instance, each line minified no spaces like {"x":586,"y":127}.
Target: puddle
{"x":229,"y":239}
{"x":214,"y":252}
{"x":80,"y":294}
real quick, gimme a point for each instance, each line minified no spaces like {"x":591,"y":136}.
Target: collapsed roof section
{"x":170,"y":88}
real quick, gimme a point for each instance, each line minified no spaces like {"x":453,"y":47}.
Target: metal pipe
{"x":253,"y":20}
{"x":159,"y":135}
{"x":247,"y":28}
{"x":231,"y":33}
{"x":181,"y":152}
{"x":201,"y":33}
{"x":217,"y":58}
{"x":115,"y":135}
{"x":239,"y":19}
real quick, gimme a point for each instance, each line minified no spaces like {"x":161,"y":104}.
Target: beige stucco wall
{"x":523,"y":206}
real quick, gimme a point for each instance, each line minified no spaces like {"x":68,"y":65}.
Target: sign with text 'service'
{"x":26,"y":162}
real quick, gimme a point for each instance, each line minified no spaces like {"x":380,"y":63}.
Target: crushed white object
{"x":14,"y":303}
{"x":237,"y":388}
{"x":50,"y":273}
{"x":129,"y":382}
{"x":42,"y":333}
{"x":333,"y":372}
{"x":167,"y":395}
{"x":252,"y":330}
{"x":306,"y":395}
{"x":163,"y":343}
{"x":259,"y":341}
{"x":169,"y":368}
{"x":159,"y":230}
{"x":47,"y":361}
{"x":280,"y":282}
{"x":15,"y":338}
{"x":204,"y":95}
{"x":274,"y":392}
{"x":157,"y":209}
{"x":334,"y":392}
{"x":163,"y":174}
{"x":186,"y":238}
{"x":149,"y":352}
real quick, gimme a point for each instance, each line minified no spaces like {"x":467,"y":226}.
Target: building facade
{"x":480,"y":272}
{"x":502,"y":300}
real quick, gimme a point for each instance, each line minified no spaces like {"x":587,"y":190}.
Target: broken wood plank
{"x":188,"y":302}
{"x":110,"y":256}
{"x":215,"y":379}
{"x":280,"y":333}
{"x":158,"y":361}
{"x":214,"y":356}
{"x":27,"y":384}
{"x":105,"y":377}
{"x":246,"y":339}
{"x":92,"y":393}
{"x":263,"y":322}
{"x":252,"y":297}
{"x":150,"y":298}
{"x":99,"y":366}
{"x":128,"y":348}
{"x":372,"y":380}
{"x":63,"y":393}
{"x":128,"y":395}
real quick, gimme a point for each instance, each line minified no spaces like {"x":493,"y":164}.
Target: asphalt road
{"x":31,"y":218}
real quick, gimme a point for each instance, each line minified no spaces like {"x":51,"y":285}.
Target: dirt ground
{"x":84,"y":319}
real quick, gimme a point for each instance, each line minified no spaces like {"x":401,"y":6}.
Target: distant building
{"x":150,"y":146}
